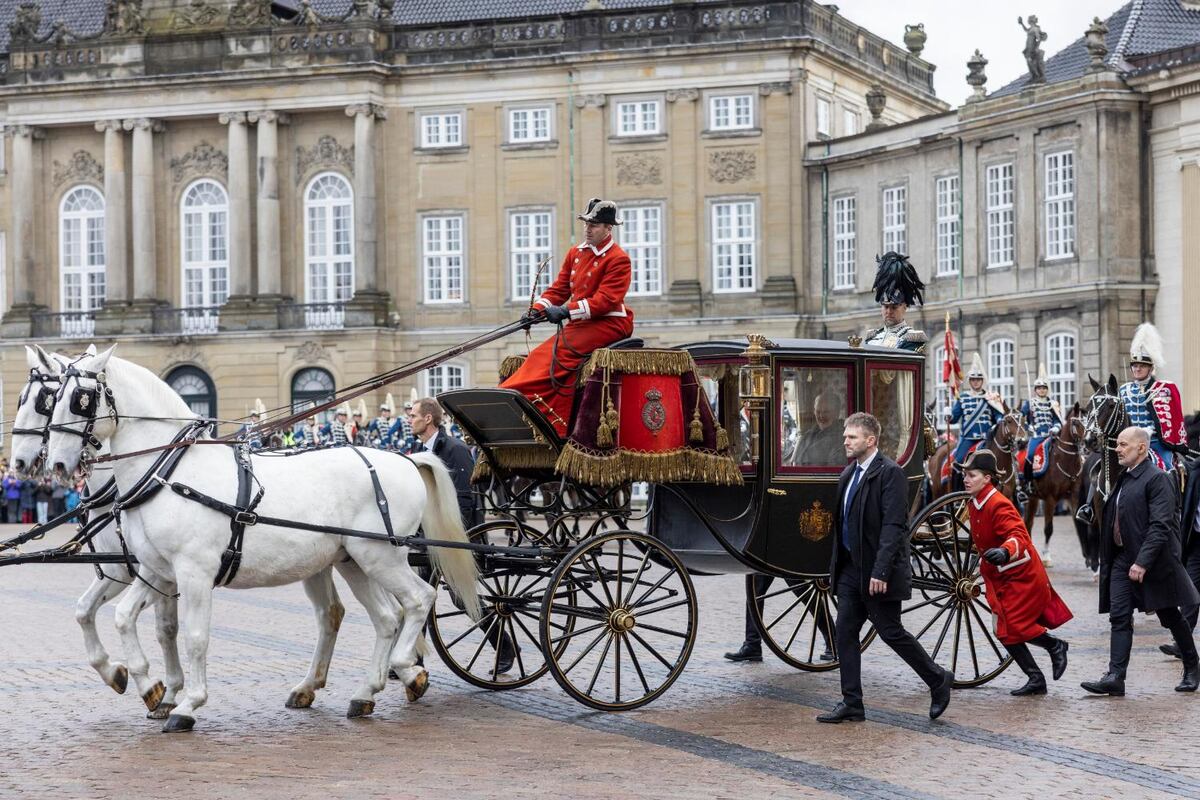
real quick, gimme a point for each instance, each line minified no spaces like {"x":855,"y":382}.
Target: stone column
{"x":145,"y":244}
{"x":18,"y":320}
{"x":370,"y":304}
{"x":268,"y":242}
{"x":778,"y":284}
{"x":239,"y":205}
{"x":688,"y":219}
{"x":116,"y":250}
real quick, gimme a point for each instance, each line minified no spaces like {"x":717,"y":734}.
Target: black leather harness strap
{"x":242,"y":515}
{"x":380,"y":498}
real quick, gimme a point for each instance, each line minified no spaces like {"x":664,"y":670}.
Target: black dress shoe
{"x":1171,"y":650}
{"x":1035,"y":685}
{"x":746,"y":653}
{"x":1058,"y":659}
{"x":828,"y":655}
{"x":1191,"y":678}
{"x":1111,"y":684}
{"x":940,"y":695}
{"x":843,"y":713}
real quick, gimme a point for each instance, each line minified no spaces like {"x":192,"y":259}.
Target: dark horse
{"x":1065,"y":452}
{"x":1007,"y":438}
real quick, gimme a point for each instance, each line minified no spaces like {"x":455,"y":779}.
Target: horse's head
{"x":1106,"y":415}
{"x":1073,"y":429}
{"x":1011,"y":433}
{"x":84,"y":415}
{"x":35,"y":404}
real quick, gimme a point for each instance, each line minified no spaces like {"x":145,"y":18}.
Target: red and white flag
{"x":951,"y":368}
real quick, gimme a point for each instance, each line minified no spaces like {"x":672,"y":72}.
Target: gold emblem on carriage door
{"x":816,"y":522}
{"x":654,"y":415}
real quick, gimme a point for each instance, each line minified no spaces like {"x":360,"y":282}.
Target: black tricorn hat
{"x":983,"y":460}
{"x":896,"y":281}
{"x":601,"y":212}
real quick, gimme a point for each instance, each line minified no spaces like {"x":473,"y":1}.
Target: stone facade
{"x":261,"y":106}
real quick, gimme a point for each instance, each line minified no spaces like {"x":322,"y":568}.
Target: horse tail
{"x":442,"y":520}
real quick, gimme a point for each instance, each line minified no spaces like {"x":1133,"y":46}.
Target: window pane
{"x":811,"y":417}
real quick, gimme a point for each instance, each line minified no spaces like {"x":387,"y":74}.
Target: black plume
{"x":897,"y":281}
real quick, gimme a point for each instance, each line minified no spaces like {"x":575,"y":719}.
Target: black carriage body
{"x":780,"y":521}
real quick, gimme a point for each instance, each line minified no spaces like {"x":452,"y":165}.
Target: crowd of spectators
{"x":34,"y":500}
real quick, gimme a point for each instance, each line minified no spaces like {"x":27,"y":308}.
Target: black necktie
{"x":858,"y":471}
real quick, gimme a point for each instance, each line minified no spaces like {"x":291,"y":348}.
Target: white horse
{"x":131,"y":410}
{"x":29,"y":424}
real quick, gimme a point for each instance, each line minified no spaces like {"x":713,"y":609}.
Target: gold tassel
{"x":696,"y":433}
{"x":722,"y":439}
{"x":604,"y":437}
{"x":611,"y":417}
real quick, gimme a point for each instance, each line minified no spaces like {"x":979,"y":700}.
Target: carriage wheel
{"x":619,"y":621}
{"x":796,"y":620}
{"x":511,"y":596}
{"x":951,"y":618}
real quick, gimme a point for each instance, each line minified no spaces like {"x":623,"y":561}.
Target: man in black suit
{"x":871,"y":569}
{"x":1189,"y":529}
{"x":426,"y":419}
{"x":1140,"y":565}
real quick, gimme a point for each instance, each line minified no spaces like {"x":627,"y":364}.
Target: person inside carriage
{"x":587,"y":301}
{"x":976,"y":411}
{"x":1152,"y":403}
{"x":1044,"y":417}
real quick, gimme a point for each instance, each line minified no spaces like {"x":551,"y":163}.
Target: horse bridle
{"x":1074,"y":447}
{"x":43,"y":403}
{"x":85,"y":402}
{"x":1011,"y":447}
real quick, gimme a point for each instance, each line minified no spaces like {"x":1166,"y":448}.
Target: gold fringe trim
{"x":641,"y":362}
{"x":595,"y":468}
{"x":509,"y":365}
{"x":513,"y":458}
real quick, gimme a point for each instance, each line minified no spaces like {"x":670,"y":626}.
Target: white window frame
{"x":850,"y":121}
{"x":735,"y":246}
{"x":530,"y":134}
{"x":941,"y":388}
{"x":845,"y":241}
{"x":731,"y":113}
{"x":894,"y":202}
{"x":1059,"y":203}
{"x":637,"y":116}
{"x":947,"y":191}
{"x":824,"y":116}
{"x":1062,"y":366}
{"x":439,"y":129}
{"x":88,"y":226}
{"x":443,"y":263}
{"x":327,"y":210}
{"x":1002,"y":368}
{"x":1000,"y":197}
{"x":524,"y":256}
{"x":212,"y":226}
{"x":443,"y":377}
{"x":645,"y":252}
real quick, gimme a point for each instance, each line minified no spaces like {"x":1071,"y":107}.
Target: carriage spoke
{"x":799,"y":599}
{"x":648,"y":612}
{"x":575,"y":611}
{"x":945,"y":629}
{"x":600,"y":662}
{"x":653,"y":652}
{"x":637,"y":667}
{"x":620,"y":568}
{"x":531,"y":615}
{"x":971,"y":642}
{"x":479,"y":649}
{"x":663,"y":631}
{"x":649,"y":591}
{"x":586,"y":650}
{"x":600,"y":577}
{"x":933,"y":619}
{"x":987,"y":632}
{"x":580,"y":632}
{"x":617,"y":667}
{"x":636,"y":578}
{"x":924,"y":603}
{"x":958,"y":615}
{"x":791,"y":587}
{"x":799,"y":624}
{"x":489,"y":618}
{"x":812,"y":640}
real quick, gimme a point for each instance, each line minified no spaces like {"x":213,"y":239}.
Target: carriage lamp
{"x":754,"y":377}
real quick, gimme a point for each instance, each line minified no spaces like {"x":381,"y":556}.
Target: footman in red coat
{"x":589,"y":296}
{"x":1024,"y":603}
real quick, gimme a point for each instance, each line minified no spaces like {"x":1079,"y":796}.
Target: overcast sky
{"x":955,"y":29}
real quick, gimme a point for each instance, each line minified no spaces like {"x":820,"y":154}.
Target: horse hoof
{"x":161,"y":711}
{"x":177,"y":723}
{"x":154,"y":695}
{"x":419,"y":686}
{"x":360,"y":708}
{"x":120,"y":679}
{"x":300,"y":699}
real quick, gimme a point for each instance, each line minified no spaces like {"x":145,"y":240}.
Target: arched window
{"x":328,"y":248}
{"x":196,"y":389}
{"x":443,"y":378}
{"x":1002,"y":370}
{"x":81,"y":258}
{"x":1061,"y":368}
{"x":312,"y":386}
{"x":205,"y":215}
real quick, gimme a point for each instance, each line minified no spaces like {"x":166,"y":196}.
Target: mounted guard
{"x":976,"y":410}
{"x":587,"y":301}
{"x":1154,"y":404}
{"x":1044,"y":417}
{"x":897,"y":286}
{"x":383,"y":429}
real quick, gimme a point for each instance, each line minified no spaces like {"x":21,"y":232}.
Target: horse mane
{"x":154,"y":393}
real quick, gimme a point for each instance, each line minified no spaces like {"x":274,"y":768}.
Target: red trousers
{"x":554,"y":397}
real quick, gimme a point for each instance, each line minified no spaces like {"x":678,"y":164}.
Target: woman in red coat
{"x":1024,"y":603}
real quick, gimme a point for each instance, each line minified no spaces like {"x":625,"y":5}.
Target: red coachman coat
{"x":591,"y":283}
{"x":1023,"y":602}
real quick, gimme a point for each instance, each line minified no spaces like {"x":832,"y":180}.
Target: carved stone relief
{"x":325,"y":153}
{"x":203,"y":159}
{"x":731,"y":166}
{"x":310,"y":353}
{"x":80,"y":167}
{"x":639,"y":169}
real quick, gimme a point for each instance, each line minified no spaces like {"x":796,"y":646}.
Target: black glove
{"x":997,"y":556}
{"x":531,"y":317}
{"x":557,"y":314}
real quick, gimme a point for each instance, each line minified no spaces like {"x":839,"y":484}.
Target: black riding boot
{"x":1037,"y":681}
{"x":1058,"y":653}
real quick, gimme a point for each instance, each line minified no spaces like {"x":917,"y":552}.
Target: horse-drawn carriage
{"x":740,"y":441}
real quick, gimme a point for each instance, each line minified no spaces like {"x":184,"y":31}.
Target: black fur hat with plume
{"x":896,"y":281}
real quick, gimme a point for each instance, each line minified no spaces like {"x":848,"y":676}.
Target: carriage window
{"x":812,"y":413}
{"x":719,"y":382}
{"x":892,"y":399}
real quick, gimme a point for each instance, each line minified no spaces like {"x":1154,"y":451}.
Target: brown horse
{"x":1061,"y":481}
{"x":1006,"y":439}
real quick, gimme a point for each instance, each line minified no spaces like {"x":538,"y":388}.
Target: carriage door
{"x":894,"y":397}
{"x":813,"y":399}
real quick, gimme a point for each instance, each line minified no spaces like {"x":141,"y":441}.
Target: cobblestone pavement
{"x":723,"y":730}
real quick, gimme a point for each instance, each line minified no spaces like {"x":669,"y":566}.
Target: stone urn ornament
{"x":1097,"y":47}
{"x":876,"y":101}
{"x":914,"y":38}
{"x":976,"y":77}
